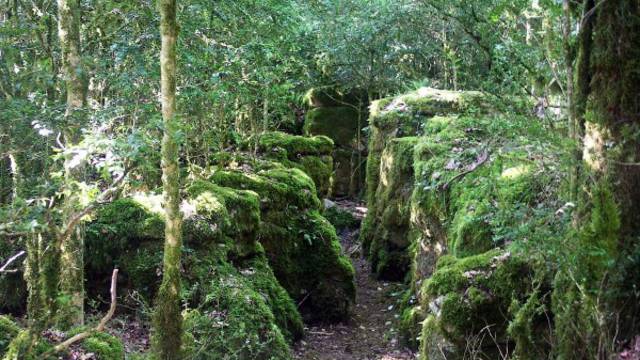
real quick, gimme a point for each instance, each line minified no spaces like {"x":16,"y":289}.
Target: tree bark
{"x":72,"y":247}
{"x":167,"y":318}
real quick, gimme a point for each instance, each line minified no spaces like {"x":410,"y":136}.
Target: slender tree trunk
{"x":167,"y":319}
{"x":72,"y":247}
{"x":571,"y":115}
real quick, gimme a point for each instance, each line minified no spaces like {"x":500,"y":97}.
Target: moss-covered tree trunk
{"x":71,"y":247}
{"x":167,"y":318}
{"x":612,"y":140}
{"x":589,"y":317}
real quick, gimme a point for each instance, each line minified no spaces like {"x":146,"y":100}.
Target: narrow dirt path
{"x":371,"y":333}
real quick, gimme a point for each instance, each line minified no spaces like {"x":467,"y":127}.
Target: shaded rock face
{"x":450,"y":188}
{"x":341,"y":116}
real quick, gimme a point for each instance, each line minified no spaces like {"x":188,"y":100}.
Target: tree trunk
{"x":72,"y":247}
{"x":167,"y":318}
{"x":612,"y":114}
{"x":571,"y":114}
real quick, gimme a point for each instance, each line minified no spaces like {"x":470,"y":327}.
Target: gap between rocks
{"x":371,"y":332}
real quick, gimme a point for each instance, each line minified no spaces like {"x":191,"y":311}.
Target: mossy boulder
{"x":310,"y":154}
{"x":232,"y":313}
{"x":341,"y":124}
{"x":221,"y":253}
{"x":301,"y":245}
{"x":405,"y":116}
{"x":479,"y":185}
{"x":470,"y":302}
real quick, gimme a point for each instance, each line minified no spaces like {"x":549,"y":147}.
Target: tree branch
{"x":101,"y":326}
{"x":75,"y":218}
{"x":4,"y":267}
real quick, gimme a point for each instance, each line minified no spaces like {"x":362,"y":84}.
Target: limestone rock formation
{"x":341,"y":116}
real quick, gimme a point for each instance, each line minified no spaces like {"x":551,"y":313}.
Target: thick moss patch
{"x":8,"y":331}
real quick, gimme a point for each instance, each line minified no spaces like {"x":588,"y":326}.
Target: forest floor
{"x":371,"y":332}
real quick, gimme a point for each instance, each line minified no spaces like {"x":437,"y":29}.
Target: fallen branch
{"x":481,"y":160}
{"x":4,"y":267}
{"x":101,"y":325}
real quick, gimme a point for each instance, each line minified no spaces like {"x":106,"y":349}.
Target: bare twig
{"x":101,"y":326}
{"x":481,"y":160}
{"x":4,"y":267}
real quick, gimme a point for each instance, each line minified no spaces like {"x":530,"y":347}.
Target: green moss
{"x":293,"y":146}
{"x":117,"y":227}
{"x":103,"y":345}
{"x":220,"y":229}
{"x":261,"y":278}
{"x":8,"y":331}
{"x":231,"y":318}
{"x":306,"y":257}
{"x":390,"y":240}
{"x":278,"y":188}
{"x":340,"y":219}
{"x":301,"y":245}
{"x":341,"y":124}
{"x":235,"y":212}
{"x":474,"y":291}
{"x":319,"y":169}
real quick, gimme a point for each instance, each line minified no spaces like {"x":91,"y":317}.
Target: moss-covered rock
{"x":301,"y":245}
{"x":231,"y":315}
{"x":310,"y":154}
{"x":341,"y":124}
{"x":469,"y":303}
{"x":480,"y":189}
{"x":225,"y":271}
{"x":292,"y":146}
{"x":404,"y":116}
{"x":278,"y":188}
